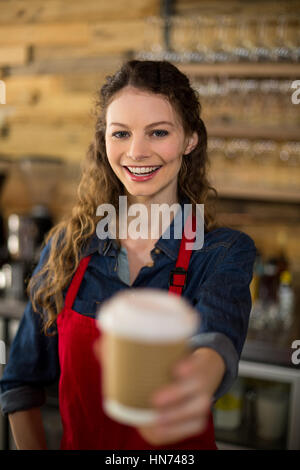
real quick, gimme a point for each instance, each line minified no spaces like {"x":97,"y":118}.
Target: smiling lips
{"x":142,"y":173}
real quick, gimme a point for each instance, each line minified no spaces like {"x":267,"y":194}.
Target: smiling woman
{"x":147,"y":153}
{"x":150,"y":147}
{"x":139,"y":97}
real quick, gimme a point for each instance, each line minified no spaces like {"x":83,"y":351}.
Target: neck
{"x":151,"y":227}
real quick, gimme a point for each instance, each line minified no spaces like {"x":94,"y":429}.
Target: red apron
{"x":85,"y":424}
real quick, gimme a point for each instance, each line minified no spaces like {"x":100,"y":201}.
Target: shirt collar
{"x":169,"y":245}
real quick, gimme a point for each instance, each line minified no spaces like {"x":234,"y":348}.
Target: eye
{"x":157,"y":132}
{"x":162,"y":132}
{"x":117,"y":134}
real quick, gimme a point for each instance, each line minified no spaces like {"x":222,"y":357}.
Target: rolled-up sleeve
{"x":224,"y":304}
{"x":32,"y":363}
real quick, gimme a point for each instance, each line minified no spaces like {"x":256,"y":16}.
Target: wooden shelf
{"x":261,"y":69}
{"x":273,"y":133}
{"x":260,"y":194}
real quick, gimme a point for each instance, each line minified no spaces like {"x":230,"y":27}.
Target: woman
{"x":149,"y":117}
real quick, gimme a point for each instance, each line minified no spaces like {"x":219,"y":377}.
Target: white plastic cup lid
{"x":148,"y":314}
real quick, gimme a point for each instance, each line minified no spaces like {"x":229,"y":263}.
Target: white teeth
{"x":141,"y":170}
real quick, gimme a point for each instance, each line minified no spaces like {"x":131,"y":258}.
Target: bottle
{"x":269,"y":295}
{"x":256,"y":318}
{"x":257,"y":273}
{"x":286,"y":299}
{"x":282,"y":259}
{"x":268,"y":285}
{"x":228,"y":409}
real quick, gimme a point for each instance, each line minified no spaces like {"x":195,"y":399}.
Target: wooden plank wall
{"x":256,"y":7}
{"x":54,"y":57}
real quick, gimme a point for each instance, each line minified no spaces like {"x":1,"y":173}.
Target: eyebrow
{"x":146,"y":127}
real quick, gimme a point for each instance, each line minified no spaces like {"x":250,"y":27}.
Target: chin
{"x":139,"y":194}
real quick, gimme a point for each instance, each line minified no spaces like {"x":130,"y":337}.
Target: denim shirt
{"x":218,"y":280}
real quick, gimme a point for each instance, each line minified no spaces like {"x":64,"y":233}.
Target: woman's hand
{"x":183,"y":406}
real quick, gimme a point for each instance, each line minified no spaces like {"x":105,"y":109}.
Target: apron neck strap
{"x":76,"y":281}
{"x":178,"y":276}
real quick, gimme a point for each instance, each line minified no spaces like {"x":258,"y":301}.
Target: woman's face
{"x":143,"y":132}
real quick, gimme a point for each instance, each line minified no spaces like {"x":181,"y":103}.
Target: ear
{"x":191,"y":143}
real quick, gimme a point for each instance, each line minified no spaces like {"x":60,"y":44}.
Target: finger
{"x":190,"y":364}
{"x":176,"y":392}
{"x":98,"y":348}
{"x":185,"y":367}
{"x":196,"y":406}
{"x":181,"y":430}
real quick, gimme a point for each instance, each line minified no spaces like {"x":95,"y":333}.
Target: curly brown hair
{"x":69,"y":237}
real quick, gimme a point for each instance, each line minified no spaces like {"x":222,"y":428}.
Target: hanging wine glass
{"x":248,"y":37}
{"x":245,"y":151}
{"x":224,"y":102}
{"x":216,"y":150}
{"x":207,"y":90}
{"x":262,"y":51}
{"x":204,"y":37}
{"x":244,"y":36}
{"x":264,"y":152}
{"x":290,"y":153}
{"x":296,"y":39}
{"x":228,"y":33}
{"x":234,"y":87}
{"x":153,"y":36}
{"x":270,"y":91}
{"x":192,"y":40}
{"x":289,"y":157}
{"x":283,"y":51}
{"x":232,"y":150}
{"x":181,"y":37}
{"x":291,"y":112}
{"x":220,"y":52}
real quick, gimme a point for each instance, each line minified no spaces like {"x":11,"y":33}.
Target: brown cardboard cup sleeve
{"x":146,"y":332}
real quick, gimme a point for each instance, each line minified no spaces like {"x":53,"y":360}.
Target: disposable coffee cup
{"x":146,"y":332}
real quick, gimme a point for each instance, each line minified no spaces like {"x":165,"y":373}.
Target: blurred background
{"x":244,"y":59}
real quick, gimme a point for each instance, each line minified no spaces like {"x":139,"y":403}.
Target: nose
{"x":138,"y":148}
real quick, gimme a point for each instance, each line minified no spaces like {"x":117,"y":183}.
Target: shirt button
{"x":150,"y":265}
{"x":157,"y":250}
